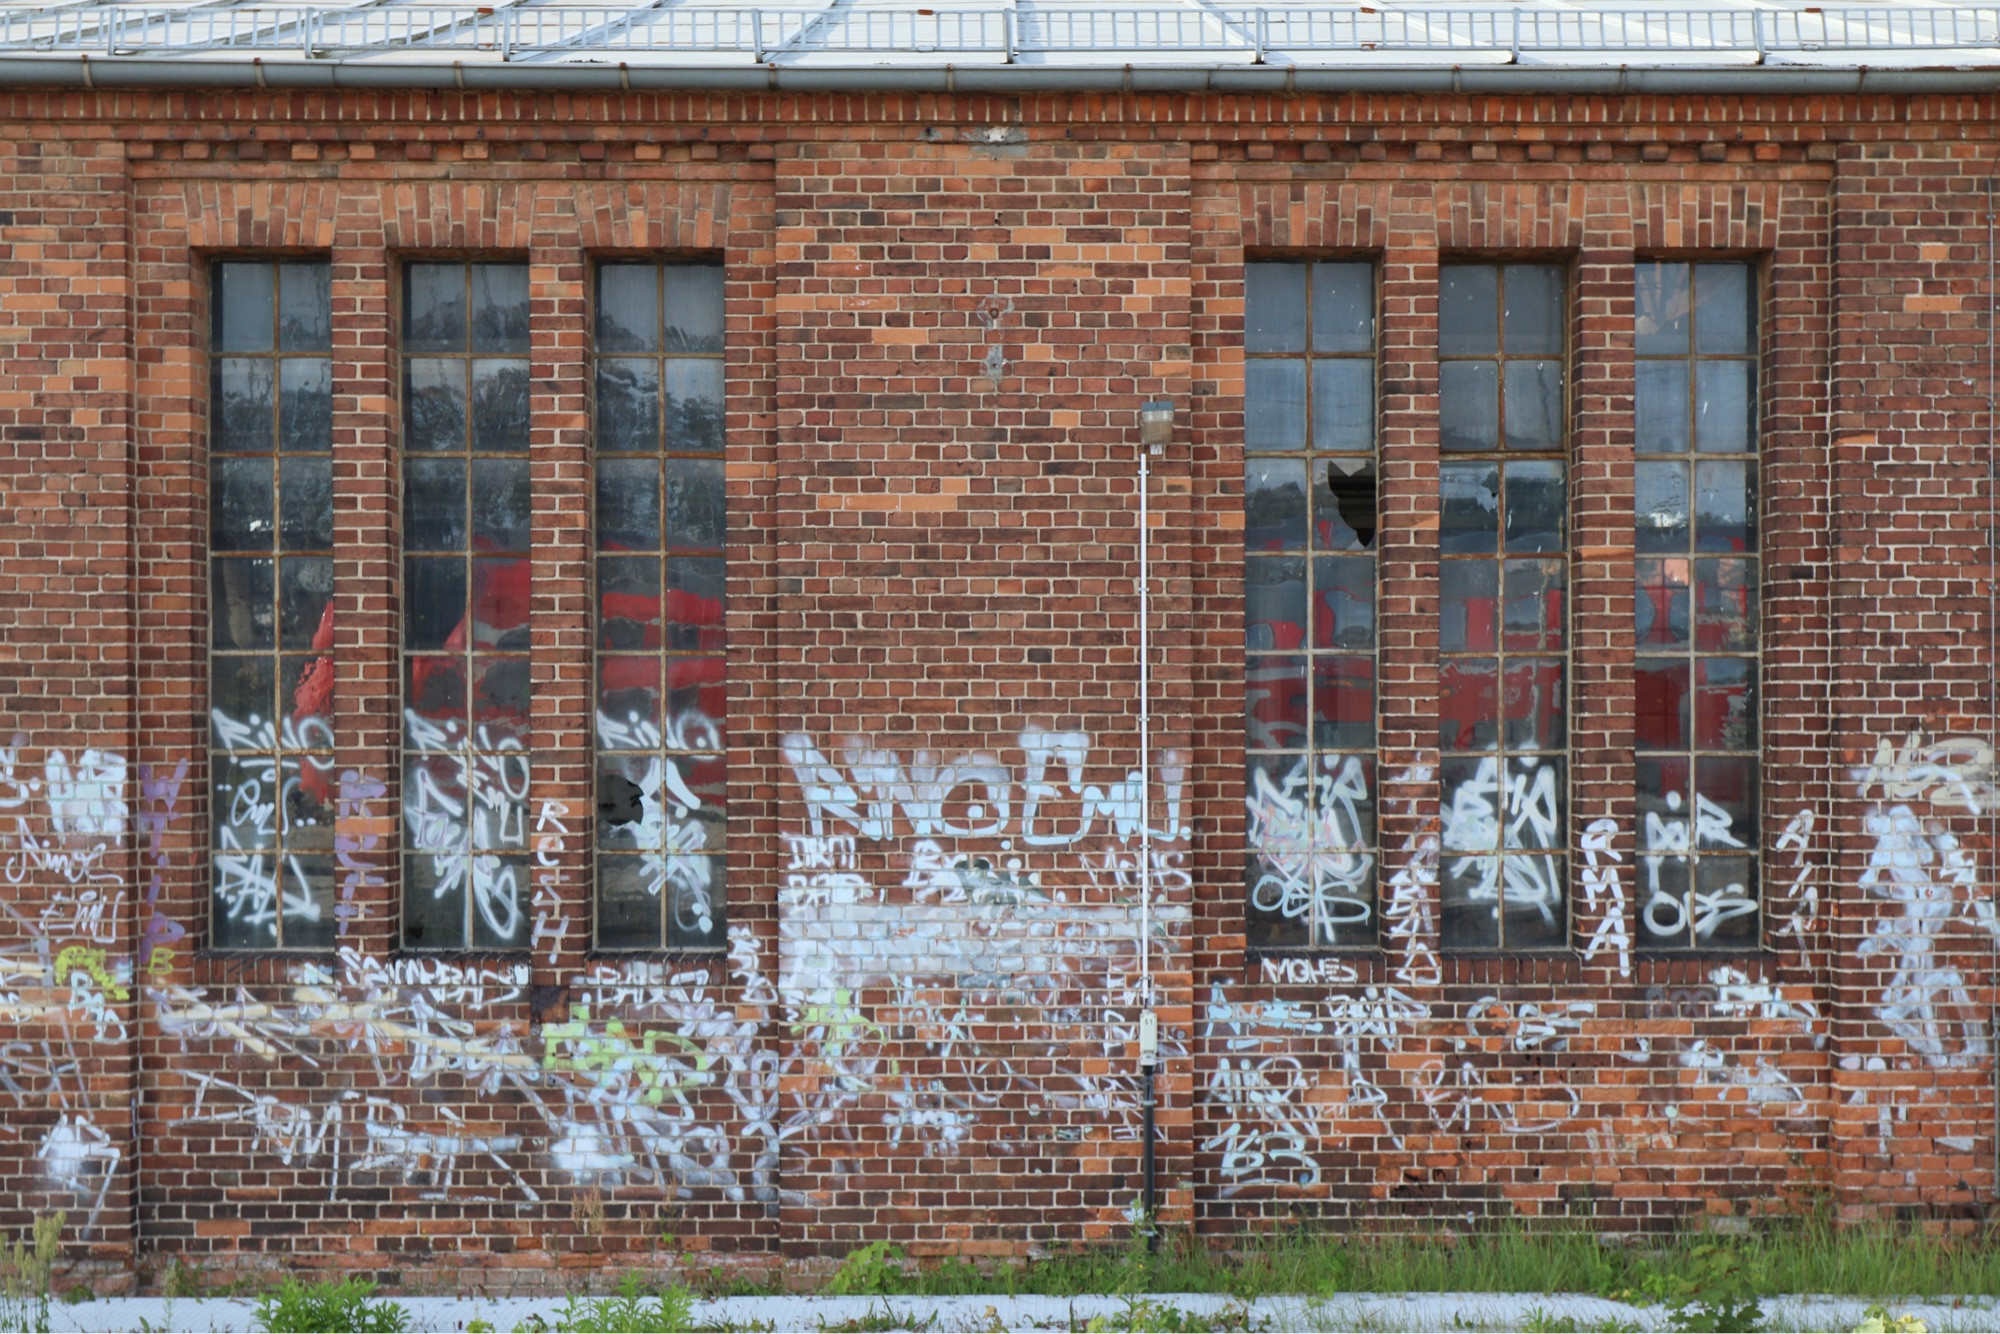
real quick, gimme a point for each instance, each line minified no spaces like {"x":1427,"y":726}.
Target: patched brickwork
{"x":942,"y":316}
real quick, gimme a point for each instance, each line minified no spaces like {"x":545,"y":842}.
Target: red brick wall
{"x":942,"y":317}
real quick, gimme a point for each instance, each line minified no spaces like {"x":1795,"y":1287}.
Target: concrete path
{"x":1367,"y":1311}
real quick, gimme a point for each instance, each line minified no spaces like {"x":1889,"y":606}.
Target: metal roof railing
{"x":1290,"y":34}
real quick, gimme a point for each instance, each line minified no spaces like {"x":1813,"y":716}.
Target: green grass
{"x":1810,"y":1256}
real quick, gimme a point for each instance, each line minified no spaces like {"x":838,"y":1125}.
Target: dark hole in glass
{"x":1354,"y":496}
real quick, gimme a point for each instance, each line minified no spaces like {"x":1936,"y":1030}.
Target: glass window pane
{"x":696,"y":602}
{"x":1665,"y":793}
{"x":305,"y":404}
{"x":306,"y":693}
{"x":1274,"y":405}
{"x":500,"y":308}
{"x":305,"y":601}
{"x":1660,"y":495}
{"x":691,"y":404}
{"x":1725,"y":710}
{"x":628,"y":602}
{"x":697,"y":703}
{"x":1277,"y":713}
{"x":628,"y":505}
{"x":1534,"y":704}
{"x":1725,"y":602}
{"x":1344,"y":602}
{"x":1274,"y":613}
{"x":1469,"y":606}
{"x":1344,"y":702}
{"x":1344,"y":504}
{"x":500,"y":406}
{"x":243,"y":307}
{"x":628,"y":405}
{"x":242,"y":604}
{"x":306,"y":516}
{"x":1468,"y":405}
{"x":1343,"y":307}
{"x":434,"y":603}
{"x":435,"y":702}
{"x":499,"y":902}
{"x":240,"y":505}
{"x":1661,"y":326}
{"x":1468,"y":310}
{"x":1534,"y":405}
{"x":1536,"y":619}
{"x":434,"y":901}
{"x":1469,"y":507}
{"x":305,"y":310}
{"x":500,"y":603}
{"x":434,"y":417}
{"x":1469,"y":703}
{"x":239,"y":700}
{"x":1663,"y":901}
{"x":434,"y":308}
{"x":1725,"y":400}
{"x":1274,"y":504}
{"x":628,"y":903}
{"x":501,"y":514}
{"x":695,"y":504}
{"x":1534,"y":314}
{"x":241,"y":417}
{"x":1725,"y":506}
{"x":1472,"y":797}
{"x":434,"y":504}
{"x":1532,"y":900}
{"x":1274,"y":307}
{"x":1662,"y":704}
{"x":1535,"y":505}
{"x":1661,"y":407}
{"x":1660,"y":603}
{"x":1725,"y":903}
{"x":1344,"y":405}
{"x":1725,"y":809}
{"x":1723,"y":312}
{"x":629,"y":694}
{"x":628,"y":308}
{"x":694,"y":307}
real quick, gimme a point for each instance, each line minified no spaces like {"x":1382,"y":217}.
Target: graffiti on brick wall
{"x":64,"y":989}
{"x":995,"y":908}
{"x":1918,"y":866}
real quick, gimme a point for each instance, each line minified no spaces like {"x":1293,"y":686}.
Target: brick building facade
{"x":842,"y":940}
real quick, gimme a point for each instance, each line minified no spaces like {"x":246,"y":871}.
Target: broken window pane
{"x":662,"y":527}
{"x":1309,"y":689}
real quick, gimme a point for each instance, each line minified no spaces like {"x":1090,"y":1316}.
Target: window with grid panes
{"x":1695,"y":604}
{"x":1309,"y":471}
{"x":466,"y":521}
{"x":1502,"y":623}
{"x":661,"y":679}
{"x":270,"y":542}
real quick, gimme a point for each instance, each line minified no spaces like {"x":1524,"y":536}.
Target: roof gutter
{"x":101,"y":72}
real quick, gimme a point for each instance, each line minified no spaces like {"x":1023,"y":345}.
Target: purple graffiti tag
{"x":159,"y":802}
{"x":356,"y":791}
